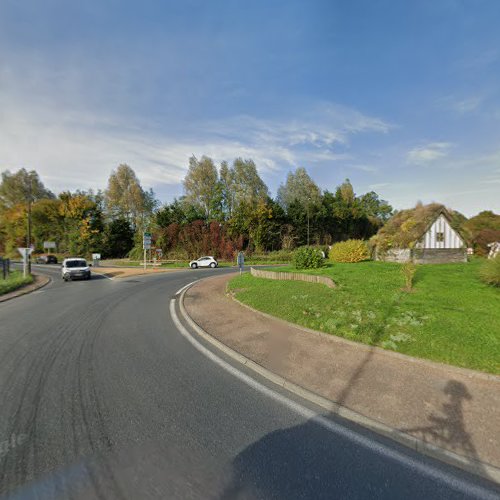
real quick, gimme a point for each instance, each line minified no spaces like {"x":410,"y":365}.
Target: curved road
{"x":102,"y":397}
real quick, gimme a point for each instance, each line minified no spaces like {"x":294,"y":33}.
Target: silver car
{"x":207,"y":261}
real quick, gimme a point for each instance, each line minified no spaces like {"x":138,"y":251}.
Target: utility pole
{"x":28,"y":242}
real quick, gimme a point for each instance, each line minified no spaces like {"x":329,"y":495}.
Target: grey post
{"x":241,"y":261}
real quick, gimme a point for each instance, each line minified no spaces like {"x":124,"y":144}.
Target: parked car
{"x":46,"y":259}
{"x":75,"y":268}
{"x":203,"y":262}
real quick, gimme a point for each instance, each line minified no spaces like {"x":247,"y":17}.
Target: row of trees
{"x":231,"y":205}
{"x":80,"y":222}
{"x":225,"y":208}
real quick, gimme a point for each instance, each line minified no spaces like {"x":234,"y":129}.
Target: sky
{"x":401,"y":97}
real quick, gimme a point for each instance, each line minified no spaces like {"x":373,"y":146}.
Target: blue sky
{"x":401,"y":97}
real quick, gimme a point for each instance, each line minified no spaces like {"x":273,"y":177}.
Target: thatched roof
{"x":407,"y":227}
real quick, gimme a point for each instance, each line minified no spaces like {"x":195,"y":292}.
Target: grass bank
{"x":13,"y":282}
{"x":450,"y":316}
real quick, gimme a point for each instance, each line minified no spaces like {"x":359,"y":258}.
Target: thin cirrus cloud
{"x":75,"y":149}
{"x":429,"y":153}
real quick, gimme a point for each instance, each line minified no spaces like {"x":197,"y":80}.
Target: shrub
{"x":408,"y":269}
{"x":349,"y":251}
{"x":274,"y":257}
{"x":490,"y":271}
{"x":307,"y":258}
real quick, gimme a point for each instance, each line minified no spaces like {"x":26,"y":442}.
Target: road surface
{"x":102,"y":397}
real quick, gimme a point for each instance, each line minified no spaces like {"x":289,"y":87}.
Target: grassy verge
{"x":450,"y":316}
{"x":13,"y":282}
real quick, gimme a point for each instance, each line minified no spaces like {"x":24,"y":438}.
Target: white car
{"x":203,"y":262}
{"x":75,"y":268}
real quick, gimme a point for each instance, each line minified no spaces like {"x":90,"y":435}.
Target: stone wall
{"x":439,"y":255}
{"x":310,"y":278}
{"x":394,"y":255}
{"x":424,"y":255}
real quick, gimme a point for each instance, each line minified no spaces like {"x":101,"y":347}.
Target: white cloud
{"x":371,"y":169}
{"x":467,"y":105}
{"x":72,"y":146}
{"x":428,"y":153}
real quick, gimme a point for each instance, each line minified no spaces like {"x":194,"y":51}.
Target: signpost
{"x":47,"y":245}
{"x":146,"y":245}
{"x":96,"y":257}
{"x":25,"y":253}
{"x":241,"y":261}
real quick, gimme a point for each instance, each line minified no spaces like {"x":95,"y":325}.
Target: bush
{"x":349,"y":251}
{"x":307,"y":258}
{"x":408,"y":269}
{"x":490,"y":271}
{"x":274,"y":257}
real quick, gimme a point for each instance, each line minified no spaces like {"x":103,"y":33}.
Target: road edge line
{"x":476,"y":467}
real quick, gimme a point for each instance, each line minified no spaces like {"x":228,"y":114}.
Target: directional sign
{"x":49,"y":244}
{"x":146,"y":241}
{"x":96,"y":256}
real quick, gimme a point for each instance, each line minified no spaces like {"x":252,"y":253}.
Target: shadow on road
{"x":447,"y":429}
{"x":305,"y":462}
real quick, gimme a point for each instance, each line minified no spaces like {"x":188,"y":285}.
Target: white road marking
{"x":100,"y":274}
{"x":178,"y":292}
{"x":441,"y":476}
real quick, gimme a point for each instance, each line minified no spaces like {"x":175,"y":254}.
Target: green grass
{"x":13,"y":282}
{"x":450,"y":316}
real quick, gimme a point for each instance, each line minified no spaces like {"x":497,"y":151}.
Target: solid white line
{"x":306,"y":413}
{"x":184,"y":287}
{"x":101,"y":274}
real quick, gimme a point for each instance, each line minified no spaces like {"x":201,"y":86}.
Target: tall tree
{"x":201,"y":185}
{"x":17,"y":187}
{"x":226,"y":176}
{"x":299,"y":187}
{"x":125,"y":197}
{"x":249,"y":188}
{"x":375,"y":207}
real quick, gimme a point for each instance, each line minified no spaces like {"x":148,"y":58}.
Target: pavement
{"x":106,"y":393}
{"x":453,"y":410}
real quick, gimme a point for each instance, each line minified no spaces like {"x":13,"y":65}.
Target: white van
{"x":75,"y":268}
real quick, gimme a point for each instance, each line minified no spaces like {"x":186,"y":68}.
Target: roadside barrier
{"x":310,"y":278}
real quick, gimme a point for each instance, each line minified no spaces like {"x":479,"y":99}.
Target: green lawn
{"x":451,"y":316}
{"x":13,"y":282}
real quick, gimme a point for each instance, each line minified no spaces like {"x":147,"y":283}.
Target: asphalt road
{"x":102,"y":397}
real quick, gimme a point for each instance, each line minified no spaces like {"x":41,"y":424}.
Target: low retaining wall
{"x":424,"y":255}
{"x":310,"y":278}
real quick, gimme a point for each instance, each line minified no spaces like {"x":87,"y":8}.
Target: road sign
{"x":96,"y":256}
{"x":146,"y":241}
{"x":49,"y":244}
{"x":25,"y":251}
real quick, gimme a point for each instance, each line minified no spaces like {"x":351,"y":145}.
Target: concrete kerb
{"x":476,"y":467}
{"x":32,"y":287}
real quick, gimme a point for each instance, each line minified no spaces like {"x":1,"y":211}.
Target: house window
{"x":440,"y":237}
